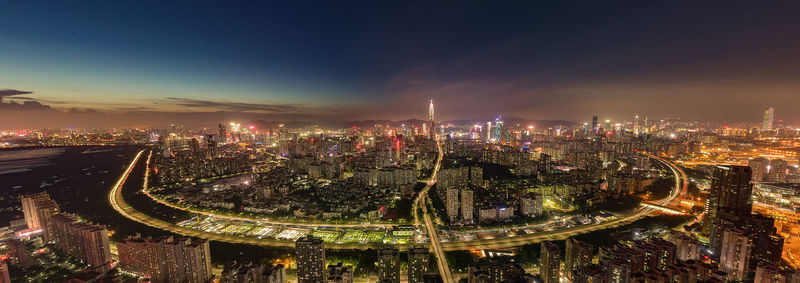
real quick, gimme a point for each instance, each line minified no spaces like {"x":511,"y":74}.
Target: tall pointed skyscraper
{"x":432,"y":129}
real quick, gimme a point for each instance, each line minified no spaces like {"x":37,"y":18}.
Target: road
{"x":681,"y":185}
{"x":118,"y":203}
{"x":436,"y":244}
{"x":308,"y":225}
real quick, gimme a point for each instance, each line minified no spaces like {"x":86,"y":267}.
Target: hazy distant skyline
{"x":144,"y":63}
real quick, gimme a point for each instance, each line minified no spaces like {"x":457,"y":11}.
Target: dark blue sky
{"x":385,"y":59}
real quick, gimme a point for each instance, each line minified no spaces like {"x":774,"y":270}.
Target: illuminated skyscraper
{"x":431,"y":126}
{"x":636,"y":124}
{"x":646,"y":128}
{"x":594,"y":124}
{"x":498,"y":130}
{"x":488,"y":131}
{"x":223,"y":135}
{"x":769,"y":116}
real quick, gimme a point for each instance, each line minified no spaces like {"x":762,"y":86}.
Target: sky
{"x":149,"y":63}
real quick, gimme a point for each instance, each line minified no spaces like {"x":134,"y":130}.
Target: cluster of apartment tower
{"x":164,"y":259}
{"x":311,"y":265}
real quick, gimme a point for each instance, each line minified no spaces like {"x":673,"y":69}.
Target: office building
{"x":550,"y":262}
{"x":418,"y":257}
{"x":577,"y":257}
{"x":769,"y":117}
{"x":389,"y":264}
{"x":310,"y":256}
{"x":340,"y":273}
{"x":222,"y":138}
{"x":594,"y":124}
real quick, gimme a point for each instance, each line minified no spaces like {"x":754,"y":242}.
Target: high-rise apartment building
{"x":657,"y":253}
{"x":735,"y":256}
{"x":84,"y":241}
{"x":531,"y":204}
{"x":166,"y":259}
{"x":253,"y":273}
{"x":759,"y":167}
{"x":310,"y":256}
{"x":451,"y":204}
{"x":418,"y":257}
{"x":578,"y":257}
{"x":730,"y":189}
{"x":495,"y":270}
{"x":466,"y":203}
{"x":389,"y":264}
{"x":550,"y":261}
{"x":688,"y":248}
{"x":37,"y":209}
{"x":340,"y":273}
{"x":777,"y":170}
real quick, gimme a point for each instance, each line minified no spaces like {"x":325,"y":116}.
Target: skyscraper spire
{"x":430,"y":112}
{"x":431,"y":129}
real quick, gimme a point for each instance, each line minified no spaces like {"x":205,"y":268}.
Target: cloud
{"x":29,"y":104}
{"x":10,"y":92}
{"x":134,"y":108}
{"x":234,"y":106}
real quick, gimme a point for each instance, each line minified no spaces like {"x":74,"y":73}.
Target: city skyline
{"x":404,"y":142}
{"x":127,"y":64}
